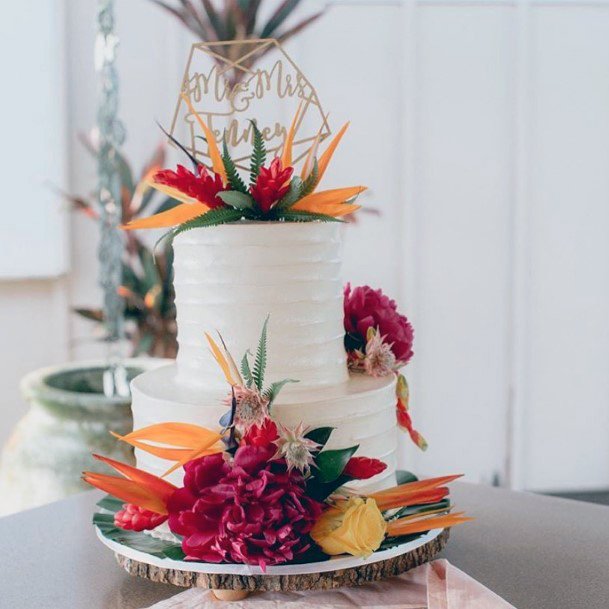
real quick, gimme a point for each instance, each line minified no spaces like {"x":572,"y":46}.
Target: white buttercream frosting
{"x":229,"y":278}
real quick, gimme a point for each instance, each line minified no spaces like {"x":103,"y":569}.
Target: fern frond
{"x":273,"y":391}
{"x":232,"y":175}
{"x":214,"y":217}
{"x":307,"y":216}
{"x":260,"y":360}
{"x":258,"y":157}
{"x":246,"y":371}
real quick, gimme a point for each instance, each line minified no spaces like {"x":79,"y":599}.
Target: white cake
{"x":228,"y":279}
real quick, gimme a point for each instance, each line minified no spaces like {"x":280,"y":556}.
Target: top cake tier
{"x":229,"y":278}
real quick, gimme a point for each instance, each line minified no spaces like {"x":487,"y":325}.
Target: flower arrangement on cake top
{"x":257,"y":492}
{"x":215,"y":195}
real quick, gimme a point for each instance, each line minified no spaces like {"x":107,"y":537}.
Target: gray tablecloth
{"x":537,"y":552}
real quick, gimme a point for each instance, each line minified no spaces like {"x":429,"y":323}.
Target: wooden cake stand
{"x":233,"y":582}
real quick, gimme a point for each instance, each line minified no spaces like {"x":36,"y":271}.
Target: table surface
{"x":537,"y":552}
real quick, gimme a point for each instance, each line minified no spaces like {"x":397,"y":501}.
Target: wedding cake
{"x":228,"y":279}
{"x":273,"y":438}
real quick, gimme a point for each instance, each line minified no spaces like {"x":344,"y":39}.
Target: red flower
{"x":367,"y":308}
{"x":271,"y":185}
{"x":134,"y":518}
{"x":262,"y":436}
{"x":203,"y":186}
{"x":251,"y":510}
{"x":362,"y":468}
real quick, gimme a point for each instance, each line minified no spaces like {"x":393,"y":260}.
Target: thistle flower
{"x":295,"y":448}
{"x":252,"y":408}
{"x":379,"y":359}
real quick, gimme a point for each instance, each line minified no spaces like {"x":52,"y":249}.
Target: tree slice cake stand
{"x":235,"y":582}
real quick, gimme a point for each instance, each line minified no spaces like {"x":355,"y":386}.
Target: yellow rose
{"x":354,"y":527}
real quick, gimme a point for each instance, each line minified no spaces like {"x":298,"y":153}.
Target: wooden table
{"x":537,"y":552}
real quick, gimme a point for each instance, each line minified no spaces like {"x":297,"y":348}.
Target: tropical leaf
{"x":91,"y":314}
{"x":284,"y":10}
{"x":260,"y":360}
{"x":232,"y":175}
{"x":393,"y":542}
{"x":187,"y":152}
{"x":321,"y":435}
{"x":331,"y":463}
{"x":299,"y":26}
{"x":134,"y":539}
{"x":214,"y":217}
{"x":246,"y":370}
{"x":320,"y":491}
{"x":416,"y":509}
{"x":403,"y":477}
{"x":237,"y":199}
{"x":291,"y":196}
{"x":309,"y":184}
{"x":174,"y":552}
{"x":273,"y":391}
{"x":258,"y":157}
{"x":110,"y":503}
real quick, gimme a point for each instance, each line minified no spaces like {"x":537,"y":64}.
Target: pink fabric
{"x":436,"y":585}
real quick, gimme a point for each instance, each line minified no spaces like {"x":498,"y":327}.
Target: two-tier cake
{"x":273,"y":437}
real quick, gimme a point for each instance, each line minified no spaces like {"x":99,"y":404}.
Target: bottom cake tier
{"x":362,"y":411}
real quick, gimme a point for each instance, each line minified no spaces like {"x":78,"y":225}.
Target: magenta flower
{"x":249,"y":511}
{"x":367,"y":308}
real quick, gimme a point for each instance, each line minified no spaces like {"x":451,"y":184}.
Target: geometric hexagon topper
{"x":228,"y":92}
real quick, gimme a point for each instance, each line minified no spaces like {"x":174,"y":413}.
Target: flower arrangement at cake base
{"x":258,"y":493}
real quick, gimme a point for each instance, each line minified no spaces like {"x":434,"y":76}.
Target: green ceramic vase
{"x":69,"y":418}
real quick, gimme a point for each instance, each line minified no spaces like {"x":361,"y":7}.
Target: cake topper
{"x":271,"y":93}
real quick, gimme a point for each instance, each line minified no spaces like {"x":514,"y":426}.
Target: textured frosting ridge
{"x":229,"y":278}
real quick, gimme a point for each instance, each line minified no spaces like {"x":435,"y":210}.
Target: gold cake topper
{"x":228,"y":105}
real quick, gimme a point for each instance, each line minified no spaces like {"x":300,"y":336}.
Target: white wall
{"x":482,"y":128}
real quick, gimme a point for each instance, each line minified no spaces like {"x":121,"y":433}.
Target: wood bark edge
{"x":353,"y":576}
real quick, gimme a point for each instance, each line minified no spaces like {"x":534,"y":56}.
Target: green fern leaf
{"x":308,"y":186}
{"x":234,"y":179}
{"x":307,"y":216}
{"x":246,"y":370}
{"x":214,"y":217}
{"x":260,"y":360}
{"x":273,"y":391}
{"x":258,"y":157}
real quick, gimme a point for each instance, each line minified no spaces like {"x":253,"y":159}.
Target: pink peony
{"x":367,"y":308}
{"x":249,"y":511}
